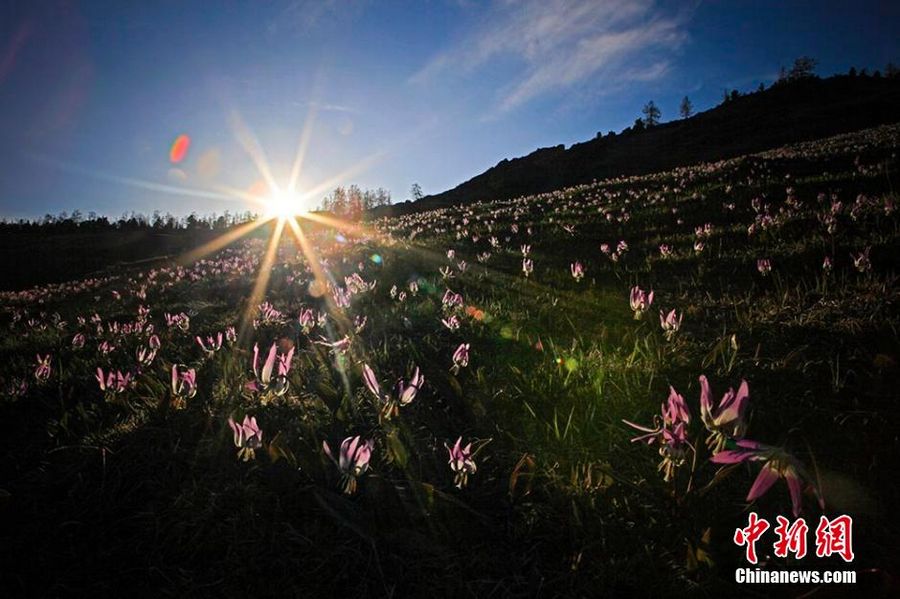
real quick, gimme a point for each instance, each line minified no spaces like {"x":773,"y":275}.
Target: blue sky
{"x":93,"y":94}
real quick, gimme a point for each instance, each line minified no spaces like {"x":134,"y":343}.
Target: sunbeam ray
{"x":254,"y":149}
{"x":302,"y":145}
{"x":221,"y":241}
{"x":262,"y":281}
{"x":132,"y":182}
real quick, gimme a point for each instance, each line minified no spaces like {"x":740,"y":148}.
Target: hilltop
{"x":800,"y":110}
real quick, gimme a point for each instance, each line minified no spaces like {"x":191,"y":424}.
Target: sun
{"x":284,"y":205}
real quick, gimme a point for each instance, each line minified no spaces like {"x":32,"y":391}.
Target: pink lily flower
{"x":353,"y":460}
{"x":359,"y":323}
{"x":460,"y":358}
{"x":247,"y":437}
{"x":341,"y":346}
{"x":184,"y":383}
{"x":388,"y":408}
{"x":145,"y":356}
{"x":212,"y":344}
{"x":43,"y":369}
{"x":451,"y":323}
{"x":640,"y":301}
{"x":577,"y":269}
{"x":113,"y":382}
{"x":861,"y":260}
{"x":670,"y":431}
{"x":670,"y":323}
{"x":265,"y":381}
{"x":726,"y":421}
{"x":451,"y":300}
{"x":407,"y":393}
{"x":461,"y":462}
{"x":777,"y":464}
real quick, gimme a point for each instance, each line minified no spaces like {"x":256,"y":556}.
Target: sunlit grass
{"x":560,"y":492}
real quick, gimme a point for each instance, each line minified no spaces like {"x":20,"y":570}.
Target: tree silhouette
{"x":686,"y":109}
{"x":651,"y":114}
{"x":416,"y":192}
{"x":804,"y":67}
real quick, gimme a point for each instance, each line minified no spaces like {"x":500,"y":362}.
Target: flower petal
{"x":764,"y":481}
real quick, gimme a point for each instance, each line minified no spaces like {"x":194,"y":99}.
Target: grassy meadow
{"x":164,"y":427}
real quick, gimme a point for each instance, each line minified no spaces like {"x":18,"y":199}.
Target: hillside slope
{"x":798,"y":111}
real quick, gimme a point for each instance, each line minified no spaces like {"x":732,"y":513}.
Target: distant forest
{"x":79,"y":222}
{"x":350,"y":203}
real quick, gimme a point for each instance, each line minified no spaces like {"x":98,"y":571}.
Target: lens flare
{"x":179,"y":148}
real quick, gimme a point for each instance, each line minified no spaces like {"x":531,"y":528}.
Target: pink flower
{"x":247,"y":437}
{"x":451,"y":323}
{"x":307,"y":319}
{"x":527,"y":266}
{"x":341,"y":346}
{"x":670,"y":323}
{"x":640,"y":301}
{"x":180,"y":321}
{"x":353,"y":460}
{"x":577,"y":270}
{"x":407,"y":393}
{"x":145,"y":356}
{"x":670,"y":431}
{"x":113,"y":382}
{"x":777,"y":464}
{"x":212,"y":344}
{"x":861,"y":260}
{"x":460,"y":358}
{"x":184,"y":382}
{"x":461,"y":462}
{"x":43,"y":369}
{"x":359,"y":323}
{"x":451,"y":300}
{"x":726,"y":421}
{"x":265,"y":381}
{"x":764,"y":266}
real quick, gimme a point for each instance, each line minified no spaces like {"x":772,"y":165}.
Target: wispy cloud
{"x":301,"y":16}
{"x":556,"y":45}
{"x":327,"y":106}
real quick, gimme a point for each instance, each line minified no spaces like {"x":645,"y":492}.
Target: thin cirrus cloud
{"x":302,"y":16}
{"x":558,"y":45}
